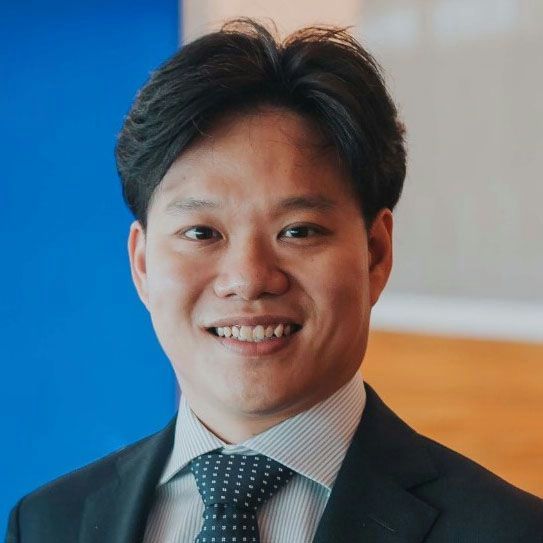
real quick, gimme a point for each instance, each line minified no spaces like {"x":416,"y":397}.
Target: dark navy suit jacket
{"x":394,"y":486}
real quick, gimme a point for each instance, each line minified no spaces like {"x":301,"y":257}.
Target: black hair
{"x":322,"y":73}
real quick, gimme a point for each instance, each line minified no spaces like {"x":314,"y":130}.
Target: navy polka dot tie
{"x":233,"y":487}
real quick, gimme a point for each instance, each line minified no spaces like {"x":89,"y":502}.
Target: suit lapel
{"x":370,"y":501}
{"x":117,"y":512}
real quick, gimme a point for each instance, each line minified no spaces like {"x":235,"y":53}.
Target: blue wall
{"x":81,"y":371}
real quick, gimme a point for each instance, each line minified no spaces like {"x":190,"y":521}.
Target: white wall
{"x":467,"y":76}
{"x":200,"y":16}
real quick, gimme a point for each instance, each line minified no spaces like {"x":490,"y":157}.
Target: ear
{"x":380,"y":252}
{"x":138,"y":265}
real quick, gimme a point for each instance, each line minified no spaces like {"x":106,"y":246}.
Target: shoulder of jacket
{"x":465,"y":482}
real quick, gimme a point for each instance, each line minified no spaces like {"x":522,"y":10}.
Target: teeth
{"x":256,"y":333}
{"x":245,"y":333}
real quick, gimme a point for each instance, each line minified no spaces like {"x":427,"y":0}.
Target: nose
{"x":249,"y":270}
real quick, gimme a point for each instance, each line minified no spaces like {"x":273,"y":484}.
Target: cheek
{"x":342,"y":285}
{"x":342,"y":304}
{"x":174,"y":283}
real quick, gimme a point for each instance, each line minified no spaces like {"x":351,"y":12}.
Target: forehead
{"x":268,"y":152}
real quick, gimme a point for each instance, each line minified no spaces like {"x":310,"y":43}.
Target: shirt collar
{"x":312,"y":443}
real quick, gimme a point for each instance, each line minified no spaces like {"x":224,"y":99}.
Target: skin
{"x":244,"y":260}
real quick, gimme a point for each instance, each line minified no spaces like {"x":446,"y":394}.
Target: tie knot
{"x":239,"y":481}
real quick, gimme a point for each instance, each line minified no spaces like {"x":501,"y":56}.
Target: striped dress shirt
{"x":312,"y":444}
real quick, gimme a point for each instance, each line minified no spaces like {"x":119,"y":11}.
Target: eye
{"x":200,"y":233}
{"x":301,"y":231}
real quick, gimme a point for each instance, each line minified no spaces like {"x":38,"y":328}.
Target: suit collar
{"x":117,"y":512}
{"x":326,"y":429}
{"x":371,"y":502}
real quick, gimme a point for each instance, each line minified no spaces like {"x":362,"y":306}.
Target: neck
{"x":238,"y":427}
{"x":237,"y":431}
{"x":233,"y":425}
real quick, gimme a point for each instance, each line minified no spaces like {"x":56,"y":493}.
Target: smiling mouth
{"x":255,"y":334}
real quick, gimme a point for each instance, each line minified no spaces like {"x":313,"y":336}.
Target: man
{"x":262,"y":177}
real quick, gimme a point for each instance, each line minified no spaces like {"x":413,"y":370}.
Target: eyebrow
{"x":314,"y":202}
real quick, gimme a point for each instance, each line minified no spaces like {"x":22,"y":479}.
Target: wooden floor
{"x":481,"y":398}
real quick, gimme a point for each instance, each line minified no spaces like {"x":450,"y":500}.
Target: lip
{"x":252,"y":320}
{"x":255,"y":349}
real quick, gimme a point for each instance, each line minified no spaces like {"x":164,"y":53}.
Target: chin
{"x":259,"y":402}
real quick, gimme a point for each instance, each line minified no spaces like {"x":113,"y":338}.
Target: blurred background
{"x":457,"y":341}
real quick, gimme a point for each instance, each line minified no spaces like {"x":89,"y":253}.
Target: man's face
{"x":261,"y":251}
